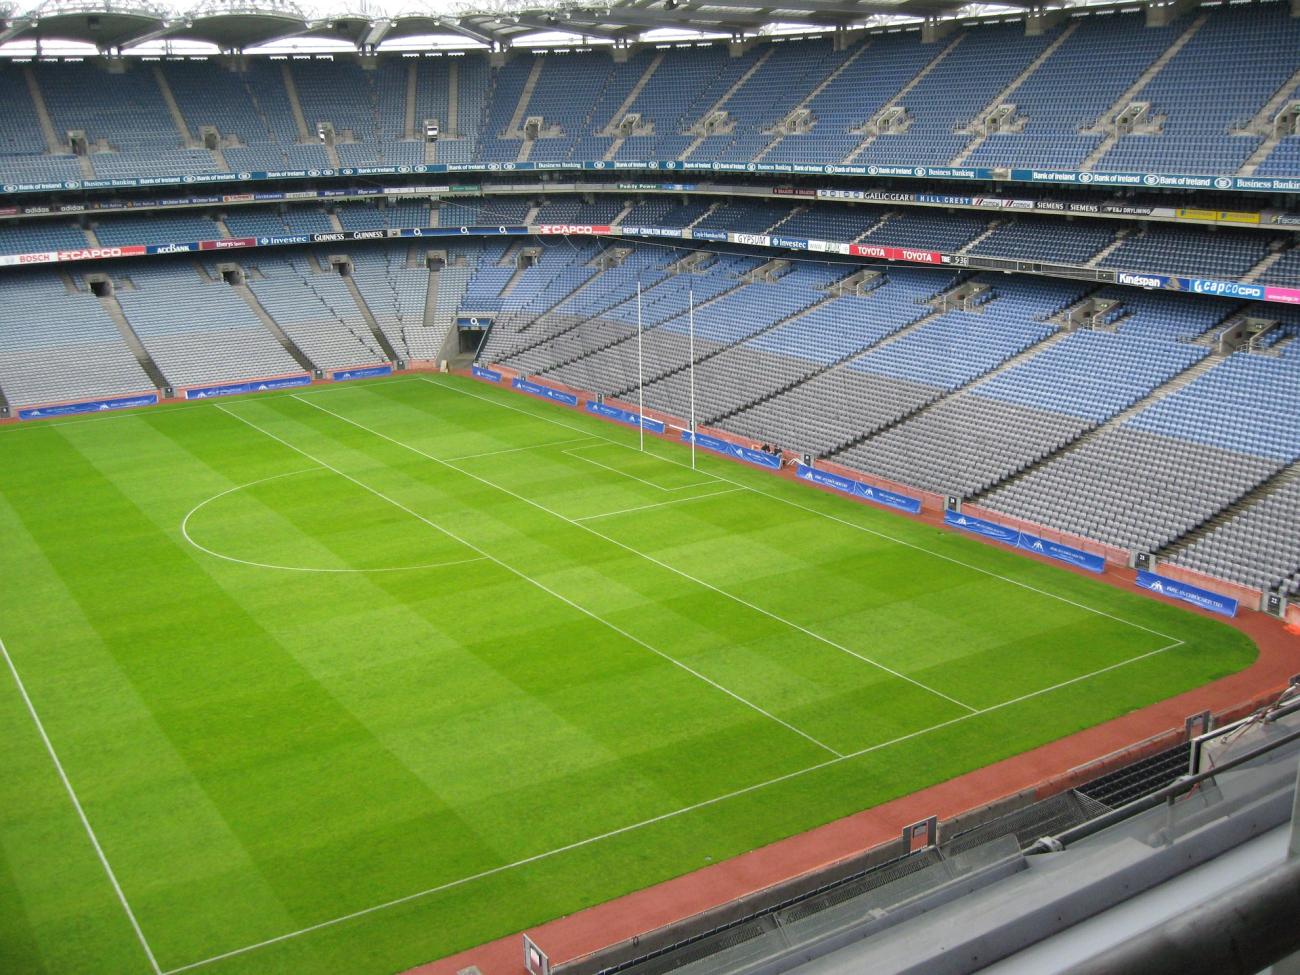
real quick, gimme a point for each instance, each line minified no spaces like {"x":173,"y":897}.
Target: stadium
{"x":691,"y":486}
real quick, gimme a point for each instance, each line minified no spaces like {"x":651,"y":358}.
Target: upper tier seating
{"x":1063,"y":104}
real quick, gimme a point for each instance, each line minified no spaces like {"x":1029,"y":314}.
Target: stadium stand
{"x":198,"y":331}
{"x":264,"y":111}
{"x":58,"y":344}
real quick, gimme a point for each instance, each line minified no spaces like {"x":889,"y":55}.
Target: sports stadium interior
{"x":1022,"y":275}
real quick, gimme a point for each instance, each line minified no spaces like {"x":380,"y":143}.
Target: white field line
{"x":544,"y":588}
{"x":657,"y":504}
{"x":651,"y":559}
{"x":705,"y":803}
{"x":186,"y":407}
{"x":515,"y":450}
{"x":823,"y":514}
{"x":185,"y":522}
{"x":685,"y":487}
{"x":81,"y":813}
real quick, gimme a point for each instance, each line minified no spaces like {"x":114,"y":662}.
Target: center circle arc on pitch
{"x":189,"y":515}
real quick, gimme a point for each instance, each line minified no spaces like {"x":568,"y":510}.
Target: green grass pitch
{"x":351,"y":679}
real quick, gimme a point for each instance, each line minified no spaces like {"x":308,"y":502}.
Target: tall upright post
{"x":640,"y":376}
{"x":692,"y":353}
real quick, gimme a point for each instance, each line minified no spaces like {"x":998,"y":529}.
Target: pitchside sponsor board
{"x":978,"y":526}
{"x":624,"y":416}
{"x":748,"y":454}
{"x":1023,"y":540}
{"x":491,"y":375}
{"x":367,"y":372}
{"x":1063,"y":553}
{"x":1201,"y":598}
{"x":860,"y":489}
{"x":256,"y":386}
{"x":537,"y":389}
{"x":90,"y":406}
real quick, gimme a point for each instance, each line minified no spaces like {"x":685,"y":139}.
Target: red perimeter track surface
{"x":1042,"y":772}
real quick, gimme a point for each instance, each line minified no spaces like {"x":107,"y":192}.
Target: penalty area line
{"x":662,"y":817}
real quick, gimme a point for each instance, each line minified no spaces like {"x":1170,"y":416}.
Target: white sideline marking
{"x":293,"y":568}
{"x":515,"y":450}
{"x":529,"y":579}
{"x":685,"y":487}
{"x":650,"y":558}
{"x":821,"y":514}
{"x":81,"y":813}
{"x":705,"y":803}
{"x":657,"y":504}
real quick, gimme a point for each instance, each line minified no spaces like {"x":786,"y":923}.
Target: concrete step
{"x":521,"y":109}
{"x":173,"y":109}
{"x":113,"y":307}
{"x":390,"y":354}
{"x":412,"y":96}
{"x":1255,"y":272}
{"x":1101,"y":125}
{"x":53,"y":143}
{"x":272,"y":326}
{"x":1160,"y":392}
{"x":902,"y":92}
{"x":453,"y":98}
{"x":305,"y":135}
{"x":857,"y":53}
{"x":1261,"y":490}
{"x":714,"y":353}
{"x":622,"y":110}
{"x":1005,"y":94}
{"x":1001,"y":367}
{"x":735,"y":87}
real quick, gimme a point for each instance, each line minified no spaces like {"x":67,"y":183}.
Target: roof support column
{"x":934,"y":29}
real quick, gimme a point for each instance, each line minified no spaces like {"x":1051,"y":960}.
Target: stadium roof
{"x":152,"y":27}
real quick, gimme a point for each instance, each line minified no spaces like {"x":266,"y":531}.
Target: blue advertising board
{"x":1063,"y":553}
{"x":491,"y":375}
{"x":860,"y":489}
{"x":1201,"y":598}
{"x":759,"y":457}
{"x":981,"y":527}
{"x":1023,"y":540}
{"x":624,"y":416}
{"x":369,"y":372}
{"x":256,"y":386}
{"x":1228,"y":289}
{"x":90,"y":406}
{"x":537,"y":389}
